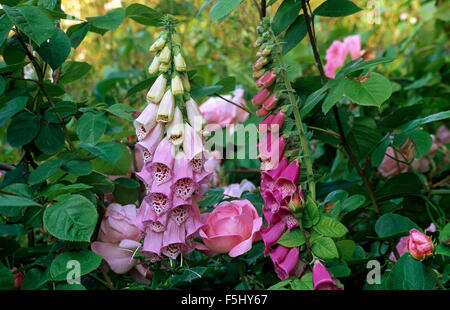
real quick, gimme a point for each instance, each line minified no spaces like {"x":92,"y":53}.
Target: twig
{"x":7,"y":167}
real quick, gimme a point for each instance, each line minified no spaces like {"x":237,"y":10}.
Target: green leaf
{"x":313,"y":100}
{"x":442,"y":249}
{"x":428,"y":119}
{"x":23,"y":128}
{"x":108,"y":151}
{"x":444,"y":235}
{"x":294,"y":34}
{"x":70,"y":287}
{"x":324,"y":248}
{"x":5,"y":28}
{"x":15,"y":230}
{"x":13,"y":68}
{"x":353,"y":203}
{"x":292,"y":239}
{"x":222,"y":8}
{"x":60,"y":267}
{"x":72,"y":218}
{"x":304,"y":283}
{"x":47,"y":4}
{"x":280,"y":285}
{"x":35,"y":279}
{"x":391,"y":225}
{"x":401,"y":185}
{"x":346,"y":249}
{"x":145,"y":84}
{"x":204,"y":91}
{"x":77,"y":167}
{"x":369,"y":64}
{"x":311,"y":214}
{"x":121,"y":110}
{"x":6,"y":278}
{"x":50,"y":138}
{"x":44,"y":171}
{"x":286,"y":15}
{"x":100,"y":183}
{"x":77,"y":33}
{"x":91,"y":126}
{"x":228,"y":84}
{"x":410,"y":274}
{"x":336,"y":8}
{"x":371,"y":92}
{"x":212,"y":196}
{"x":56,"y":50}
{"x":12,"y":107}
{"x":143,"y":14}
{"x":31,"y":21}
{"x":73,"y":70}
{"x":334,"y":94}
{"x":110,"y":21}
{"x":121,"y":167}
{"x":330,"y":227}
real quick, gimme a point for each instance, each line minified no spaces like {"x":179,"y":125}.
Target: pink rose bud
{"x":231,"y":228}
{"x":321,"y":278}
{"x":419,"y":244}
{"x":271,"y":102}
{"x":262,"y":112}
{"x":18,"y":278}
{"x":266,"y":80}
{"x":259,"y":98}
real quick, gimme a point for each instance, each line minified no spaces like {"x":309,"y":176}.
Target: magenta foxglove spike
{"x":266,"y":80}
{"x":278,"y":254}
{"x":322,"y":279}
{"x":261,"y":112}
{"x":271,"y":235}
{"x":288,"y":265}
{"x":268,"y":177}
{"x":271,"y":102}
{"x":286,"y":183}
{"x":261,"y":96}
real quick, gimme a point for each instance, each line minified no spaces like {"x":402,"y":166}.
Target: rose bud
{"x":156,"y":92}
{"x":180,"y":64}
{"x":165,"y":55}
{"x":260,"y":97}
{"x":175,"y":130}
{"x":266,"y":80}
{"x":271,"y":102}
{"x":419,"y":244}
{"x":166,"y":108}
{"x":185,"y":80}
{"x":177,"y":85}
{"x":154,"y":66}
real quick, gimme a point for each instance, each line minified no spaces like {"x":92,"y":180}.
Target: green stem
{"x":308,"y":246}
{"x":439,"y":284}
{"x":241,"y":273}
{"x":440,"y":192}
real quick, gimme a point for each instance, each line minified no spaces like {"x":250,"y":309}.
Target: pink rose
{"x":443,"y":134}
{"x":236,"y":189}
{"x":335,"y":58}
{"x":353,"y":45}
{"x":389,"y":166}
{"x":18,"y":278}
{"x":419,"y":244}
{"x":118,"y":224}
{"x":231,"y":228}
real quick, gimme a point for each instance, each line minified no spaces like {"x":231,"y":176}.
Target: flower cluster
{"x":175,"y":172}
{"x":338,"y":51}
{"x":279,"y":177}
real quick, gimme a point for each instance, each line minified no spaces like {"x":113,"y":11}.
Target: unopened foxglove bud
{"x":266,"y":52}
{"x":260,"y":63}
{"x":195,"y":117}
{"x":156,"y":92}
{"x":258,"y":74}
{"x":158,"y":44}
{"x":261,"y":112}
{"x":166,"y":108}
{"x":165,"y":54}
{"x":185,"y":80}
{"x":175,"y":130}
{"x":164,"y":67}
{"x":180,"y":64}
{"x":271,"y":102}
{"x":154,"y":66}
{"x":177,"y":85}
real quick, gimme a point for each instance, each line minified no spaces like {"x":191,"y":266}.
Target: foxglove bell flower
{"x":146,"y":121}
{"x":266,"y":80}
{"x":287,"y":266}
{"x":183,"y":177}
{"x":148,"y":146}
{"x":164,"y":67}
{"x":154,"y":66}
{"x":322,"y":279}
{"x":195,"y":117}
{"x":261,"y":112}
{"x":166,"y":108}
{"x":177,"y":85}
{"x":258,"y":74}
{"x":164,"y":57}
{"x":193,"y":148}
{"x":269,"y":177}
{"x":261,"y":96}
{"x":180,"y":64}
{"x":271,"y":102}
{"x":175,"y":130}
{"x":286,"y":183}
{"x":162,"y":164}
{"x":185,"y":80}
{"x":156,"y":92}
{"x":260,"y":63}
{"x":158,"y":44}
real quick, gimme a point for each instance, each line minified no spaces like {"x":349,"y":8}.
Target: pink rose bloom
{"x":389,"y":167}
{"x":118,"y":224}
{"x":443,"y":134}
{"x":236,"y":189}
{"x":322,"y":279}
{"x":119,"y":256}
{"x":402,"y":246}
{"x":335,"y":57}
{"x":231,"y":228}
{"x":353,"y":45}
{"x":220,"y":112}
{"x":18,"y":278}
{"x":419,"y":244}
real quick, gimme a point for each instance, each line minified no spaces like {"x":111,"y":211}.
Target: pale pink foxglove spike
{"x":178,"y":201}
{"x":269,"y":177}
{"x":153,"y":242}
{"x":184,"y":184}
{"x":166,"y":108}
{"x":175,"y":130}
{"x":177,"y":85}
{"x":261,"y":96}
{"x":202,"y":177}
{"x":322,"y":279}
{"x":147,"y":147}
{"x":146,"y":121}
{"x":193,"y":222}
{"x":174,"y":233}
{"x":286,"y":183}
{"x":163,"y":160}
{"x":180,"y":213}
{"x":193,"y":148}
{"x":156,"y":222}
{"x":156,"y":92}
{"x":141,"y":214}
{"x":271,"y":235}
{"x":201,"y":189}
{"x":195,"y":117}
{"x":266,"y":80}
{"x":172,"y":250}
{"x":160,"y":197}
{"x":145,"y":176}
{"x":288,"y":265}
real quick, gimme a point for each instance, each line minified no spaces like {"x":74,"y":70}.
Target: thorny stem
{"x":335,"y":111}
